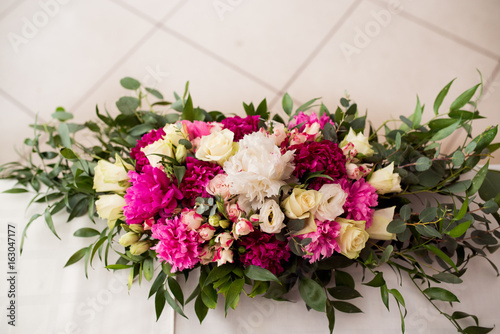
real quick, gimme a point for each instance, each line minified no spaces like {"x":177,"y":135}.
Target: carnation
{"x":265,"y":251}
{"x":136,"y":152}
{"x":198,"y":175}
{"x":323,"y":156}
{"x":258,"y":170}
{"x":151,"y":192}
{"x":178,"y":245}
{"x":323,"y":243}
{"x":361,"y":200}
{"x":241,"y":126}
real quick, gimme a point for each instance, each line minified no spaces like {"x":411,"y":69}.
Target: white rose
{"x":217,"y":146}
{"x":154,"y":150}
{"x":360,"y":142}
{"x":332,"y":202}
{"x":112,"y":177}
{"x":352,"y":237}
{"x":300,"y":202}
{"x":271,"y":217}
{"x":385,"y":180}
{"x":258,"y":170}
{"x":110,"y":207}
{"x":378,"y":228}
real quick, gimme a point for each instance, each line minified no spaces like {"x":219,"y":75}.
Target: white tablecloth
{"x":51,"y":299}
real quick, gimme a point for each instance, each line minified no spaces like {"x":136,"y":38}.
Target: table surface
{"x":56,"y":300}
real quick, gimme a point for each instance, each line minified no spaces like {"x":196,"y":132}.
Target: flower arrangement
{"x":258,"y":205}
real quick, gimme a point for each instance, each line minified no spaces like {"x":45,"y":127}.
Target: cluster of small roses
{"x":229,"y":191}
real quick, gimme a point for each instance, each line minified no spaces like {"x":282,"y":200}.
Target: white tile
{"x":153,"y":8}
{"x":473,"y":21}
{"x":384,"y":65}
{"x":213,"y":85}
{"x":6,"y":6}
{"x":67,"y":53}
{"x":269,"y":39}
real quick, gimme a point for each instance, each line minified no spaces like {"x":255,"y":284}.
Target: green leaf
{"x":416,"y":117}
{"x":86,"y":232}
{"x":179,"y":172}
{"x":343,"y":293}
{"x":188,"y":111}
{"x":233,"y":294}
{"x":386,"y":255}
{"x":63,"y":130}
{"x":77,"y":256}
{"x":445,"y":132}
{"x":15,"y":191}
{"x":176,"y":289}
{"x":156,"y":94}
{"x":423,"y":164}
{"x":458,"y":158}
{"x":489,"y":188}
{"x":200,"y":308}
{"x":159,"y":302}
{"x":119,"y":266}
{"x":127,"y":105}
{"x":346,"y":307}
{"x":397,"y":295}
{"x":173,"y":304}
{"x":405,"y":212}
{"x":130,"y":83}
{"x":442,"y":94}
{"x":377,"y":281}
{"x":459,"y":230}
{"x":428,"y":231}
{"x":398,"y":141}
{"x":313,"y":294}
{"x":160,"y":279}
{"x":68,"y":154}
{"x":48,"y":219}
{"x":329,"y":132}
{"x":490,"y":206}
{"x":440,"y":294}
{"x":463,"y":210}
{"x":441,"y":255}
{"x":62,"y":116}
{"x":464,"y":98}
{"x":330,"y":314}
{"x":140,"y":129}
{"x":343,"y":279}
{"x":447,"y":278}
{"x":478,"y":179}
{"x":209,"y":297}
{"x":217,"y":273}
{"x":306,"y":105}
{"x":428,"y":214}
{"x":477,"y":330}
{"x":396,"y":226}
{"x":148,"y":267}
{"x":260,"y":274}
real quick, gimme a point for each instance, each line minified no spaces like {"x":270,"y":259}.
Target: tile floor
{"x":383,"y":53}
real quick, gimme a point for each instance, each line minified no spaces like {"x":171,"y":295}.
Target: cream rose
{"x":154,"y":151}
{"x":360,"y":142}
{"x":271,"y":217}
{"x":219,"y":186}
{"x":300,"y":203}
{"x":352,"y":237}
{"x":385,"y":180}
{"x":331,"y":204}
{"x":378,"y":228}
{"x":112,"y":177}
{"x":110,"y":207}
{"x":217,"y":147}
{"x":175,"y":132}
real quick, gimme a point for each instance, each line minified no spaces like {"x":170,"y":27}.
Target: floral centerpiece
{"x":259,"y":204}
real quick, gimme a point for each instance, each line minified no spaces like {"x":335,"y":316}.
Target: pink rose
{"x":233,"y":211}
{"x":191,"y":218}
{"x":225,"y":240}
{"x":219,"y":186}
{"x":242,"y":227}
{"x":206,"y":232}
{"x":223,"y":256}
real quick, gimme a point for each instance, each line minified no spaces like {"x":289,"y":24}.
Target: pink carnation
{"x":178,"y":245}
{"x":147,"y":139}
{"x":361,"y":200}
{"x":241,"y":126}
{"x":323,"y":156}
{"x":308,"y":120}
{"x":151,"y":191}
{"x":265,"y":251}
{"x":323,"y":243}
{"x":198,"y":175}
{"x":197,"y":129}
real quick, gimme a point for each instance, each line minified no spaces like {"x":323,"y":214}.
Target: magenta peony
{"x":151,"y":192}
{"x":178,"y":245}
{"x":265,"y":251}
{"x":361,"y":200}
{"x":147,"y":139}
{"x":323,"y":243}
{"x":198,"y":175}
{"x":241,"y":126}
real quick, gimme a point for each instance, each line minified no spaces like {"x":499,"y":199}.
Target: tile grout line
{"x":317,"y":50}
{"x":11,"y":8}
{"x":492,"y":76}
{"x":19,"y":104}
{"x":444,"y":33}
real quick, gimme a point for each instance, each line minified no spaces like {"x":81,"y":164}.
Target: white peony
{"x":258,"y":170}
{"x":331,"y":203}
{"x":271,"y":217}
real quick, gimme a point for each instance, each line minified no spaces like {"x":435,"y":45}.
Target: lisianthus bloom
{"x":241,"y":126}
{"x":323,"y":243}
{"x":198,"y":175}
{"x":151,"y":191}
{"x":137,"y":154}
{"x":361,"y":200}
{"x":265,"y":251}
{"x":323,"y":156}
{"x":271,"y":217}
{"x":258,"y":170}
{"x":178,"y":245}
{"x":112,"y":176}
{"x":352,"y":237}
{"x":332,"y":202}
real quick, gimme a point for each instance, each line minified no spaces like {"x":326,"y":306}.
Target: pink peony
{"x":323,"y":156}
{"x":178,"y":245}
{"x":198,"y":175}
{"x":308,"y":120}
{"x":361,"y":200}
{"x":323,"y":243}
{"x":147,"y":139}
{"x":241,"y":126}
{"x":151,"y":192}
{"x":265,"y":251}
